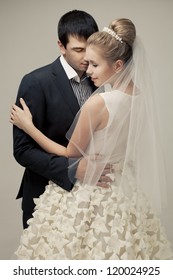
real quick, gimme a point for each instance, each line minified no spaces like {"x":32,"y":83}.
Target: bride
{"x":116,"y":126}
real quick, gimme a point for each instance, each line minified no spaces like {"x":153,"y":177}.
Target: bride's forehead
{"x":93,"y":51}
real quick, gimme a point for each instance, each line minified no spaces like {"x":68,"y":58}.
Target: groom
{"x":54,"y":94}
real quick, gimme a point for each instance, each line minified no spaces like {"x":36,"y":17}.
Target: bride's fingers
{"x":24,"y":106}
{"x":15,"y":108}
{"x":22,"y":102}
{"x":11,"y":121}
{"x":11,"y":118}
{"x":13,"y":112}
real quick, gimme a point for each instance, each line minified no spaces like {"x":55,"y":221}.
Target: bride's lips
{"x":93,"y":79}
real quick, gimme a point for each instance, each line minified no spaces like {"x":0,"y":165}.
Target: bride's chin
{"x":96,"y":83}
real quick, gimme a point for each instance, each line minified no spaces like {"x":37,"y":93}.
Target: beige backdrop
{"x":28,"y":40}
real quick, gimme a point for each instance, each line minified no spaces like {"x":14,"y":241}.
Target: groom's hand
{"x":104,"y":180}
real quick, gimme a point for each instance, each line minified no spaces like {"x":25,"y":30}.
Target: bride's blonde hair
{"x":112,"y":48}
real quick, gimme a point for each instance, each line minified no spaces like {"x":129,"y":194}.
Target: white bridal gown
{"x":95,"y":223}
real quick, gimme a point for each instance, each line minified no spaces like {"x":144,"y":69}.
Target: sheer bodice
{"x":118,"y":106}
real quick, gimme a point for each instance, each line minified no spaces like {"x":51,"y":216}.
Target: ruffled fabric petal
{"x":93,"y":224}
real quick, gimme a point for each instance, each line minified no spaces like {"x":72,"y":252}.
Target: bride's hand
{"x":22,"y":118}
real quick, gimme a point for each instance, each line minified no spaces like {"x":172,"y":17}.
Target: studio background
{"x":28,"y":36}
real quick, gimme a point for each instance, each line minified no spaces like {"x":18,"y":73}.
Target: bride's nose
{"x":89,"y":71}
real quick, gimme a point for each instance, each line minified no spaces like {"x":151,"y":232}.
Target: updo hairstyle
{"x":112,"y":49}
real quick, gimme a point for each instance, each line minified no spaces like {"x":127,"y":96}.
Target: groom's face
{"x":74,"y":54}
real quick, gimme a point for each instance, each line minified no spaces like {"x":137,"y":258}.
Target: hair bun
{"x":125,"y":29}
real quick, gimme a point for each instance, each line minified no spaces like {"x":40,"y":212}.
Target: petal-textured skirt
{"x":93,"y":223}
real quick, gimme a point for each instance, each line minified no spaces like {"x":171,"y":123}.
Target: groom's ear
{"x":61,"y":47}
{"x":118,"y":65}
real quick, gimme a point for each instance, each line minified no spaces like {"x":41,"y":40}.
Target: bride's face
{"x":99,"y":69}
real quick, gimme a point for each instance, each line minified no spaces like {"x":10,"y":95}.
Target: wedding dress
{"x":96,"y":223}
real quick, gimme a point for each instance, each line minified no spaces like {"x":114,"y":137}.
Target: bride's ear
{"x":118,"y":65}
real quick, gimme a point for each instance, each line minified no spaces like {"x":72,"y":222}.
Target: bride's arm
{"x":46,"y":143}
{"x":85,"y":126}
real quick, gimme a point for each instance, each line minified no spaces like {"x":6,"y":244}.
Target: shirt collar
{"x":71,"y":73}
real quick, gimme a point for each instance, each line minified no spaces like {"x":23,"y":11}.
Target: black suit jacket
{"x":49,"y":95}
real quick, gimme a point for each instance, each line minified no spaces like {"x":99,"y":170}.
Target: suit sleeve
{"x":26,"y":152}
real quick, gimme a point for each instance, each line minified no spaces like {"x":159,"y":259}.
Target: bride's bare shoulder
{"x":95,"y":102}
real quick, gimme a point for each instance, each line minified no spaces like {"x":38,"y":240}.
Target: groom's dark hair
{"x":76,"y":23}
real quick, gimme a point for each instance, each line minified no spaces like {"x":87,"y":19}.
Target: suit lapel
{"x":64,"y":86}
